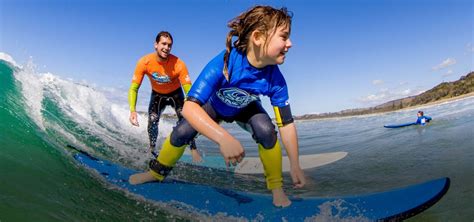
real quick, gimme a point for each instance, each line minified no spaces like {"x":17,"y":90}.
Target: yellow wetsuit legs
{"x":271,"y":160}
{"x":166,"y":160}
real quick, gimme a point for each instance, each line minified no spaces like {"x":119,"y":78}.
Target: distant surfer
{"x":422,"y":119}
{"x":228,"y":89}
{"x":169,"y":78}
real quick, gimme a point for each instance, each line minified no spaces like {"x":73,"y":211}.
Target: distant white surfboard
{"x":253,"y":165}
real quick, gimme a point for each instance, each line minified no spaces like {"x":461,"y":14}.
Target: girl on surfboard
{"x":228,"y":89}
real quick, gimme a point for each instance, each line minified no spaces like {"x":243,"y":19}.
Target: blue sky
{"x":346,"y":53}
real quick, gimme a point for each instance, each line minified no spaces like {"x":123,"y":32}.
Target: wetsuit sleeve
{"x":208,"y":81}
{"x":184,"y":79}
{"x":428,"y":118}
{"x":140,"y":71}
{"x":132,"y":96}
{"x":278,"y":89}
{"x":183,"y":73}
{"x":279,"y":98}
{"x":137,"y":79}
{"x":186,"y":88}
{"x":283,"y":115}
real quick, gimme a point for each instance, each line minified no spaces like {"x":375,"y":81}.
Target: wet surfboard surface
{"x":253,"y":165}
{"x":399,"y":125}
{"x":396,"y":204}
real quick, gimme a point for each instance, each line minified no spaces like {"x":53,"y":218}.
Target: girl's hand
{"x":297,"y":176}
{"x":232,"y":151}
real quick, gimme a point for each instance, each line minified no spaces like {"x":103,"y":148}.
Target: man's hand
{"x":134,"y":119}
{"x":196,"y":156}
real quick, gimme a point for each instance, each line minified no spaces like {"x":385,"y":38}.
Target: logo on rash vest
{"x":235,"y":97}
{"x":161,"y":79}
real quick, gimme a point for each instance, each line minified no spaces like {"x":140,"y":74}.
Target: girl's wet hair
{"x":266,"y":19}
{"x":420,"y":112}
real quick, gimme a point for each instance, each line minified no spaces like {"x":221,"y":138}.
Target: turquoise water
{"x":41,"y":113}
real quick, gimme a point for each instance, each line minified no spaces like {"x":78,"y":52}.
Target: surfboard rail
{"x":399,"y":125}
{"x":392,"y":205}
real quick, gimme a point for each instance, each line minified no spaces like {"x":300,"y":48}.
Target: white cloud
{"x":384,"y":95}
{"x":377,"y":82}
{"x":447,"y":62}
{"x":402,"y":83}
{"x":372,"y":98}
{"x":448,"y":73}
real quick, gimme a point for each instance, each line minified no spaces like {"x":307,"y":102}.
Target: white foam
{"x":91,"y":110}
{"x":32,"y":91}
{"x":332,"y":211}
{"x":99,"y":116}
{"x":9,"y":59}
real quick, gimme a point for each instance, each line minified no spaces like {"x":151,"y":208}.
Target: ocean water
{"x":40,"y":113}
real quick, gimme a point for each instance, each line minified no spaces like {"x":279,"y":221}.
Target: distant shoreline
{"x":445,"y":100}
{"x":439,"y":101}
{"x":443,"y":92}
{"x":299,"y":118}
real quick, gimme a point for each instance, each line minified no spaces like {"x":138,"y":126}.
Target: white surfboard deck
{"x":253,"y":165}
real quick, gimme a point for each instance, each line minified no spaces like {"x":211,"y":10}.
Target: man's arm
{"x":133,"y":91}
{"x":184,"y":79}
{"x":132,"y":96}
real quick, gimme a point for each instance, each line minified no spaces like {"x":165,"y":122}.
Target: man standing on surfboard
{"x":169,"y":78}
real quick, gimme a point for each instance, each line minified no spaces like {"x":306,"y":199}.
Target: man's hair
{"x":421,"y":112}
{"x":163,"y":34}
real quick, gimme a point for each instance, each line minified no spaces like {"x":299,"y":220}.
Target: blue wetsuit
{"x":422,"y":120}
{"x":238,"y":99}
{"x":246,"y":84}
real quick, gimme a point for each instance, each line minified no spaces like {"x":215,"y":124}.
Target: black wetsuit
{"x":158,"y":103}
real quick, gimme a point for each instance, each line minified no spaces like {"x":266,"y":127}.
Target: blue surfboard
{"x":399,"y":125}
{"x":395,"y":204}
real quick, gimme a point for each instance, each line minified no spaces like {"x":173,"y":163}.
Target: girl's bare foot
{"x":279,"y":198}
{"x":140,"y":178}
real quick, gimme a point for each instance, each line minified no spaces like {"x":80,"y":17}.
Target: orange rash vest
{"x":165,"y":77}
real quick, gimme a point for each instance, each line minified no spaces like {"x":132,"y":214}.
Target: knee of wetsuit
{"x":182,"y":134}
{"x":153,"y":117}
{"x":263,"y":130}
{"x":265,"y":135}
